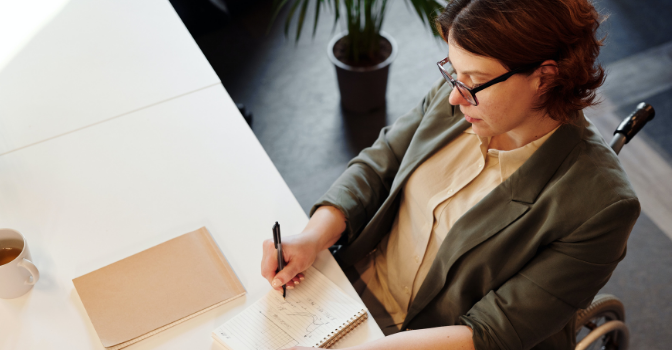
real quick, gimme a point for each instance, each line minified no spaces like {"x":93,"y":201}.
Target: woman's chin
{"x":481,"y":129}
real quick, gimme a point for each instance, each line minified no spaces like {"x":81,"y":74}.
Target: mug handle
{"x":28,"y":265}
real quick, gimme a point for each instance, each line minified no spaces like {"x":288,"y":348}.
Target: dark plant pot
{"x":362,"y":88}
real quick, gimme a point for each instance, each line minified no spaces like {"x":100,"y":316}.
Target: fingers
{"x":298,"y":254}
{"x":293,"y":282}
{"x":285,"y":276}
{"x":269,"y":265}
{"x":269,"y":261}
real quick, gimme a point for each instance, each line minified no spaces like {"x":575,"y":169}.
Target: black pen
{"x":278,"y":246}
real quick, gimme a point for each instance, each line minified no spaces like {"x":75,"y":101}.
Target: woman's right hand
{"x":300,"y":251}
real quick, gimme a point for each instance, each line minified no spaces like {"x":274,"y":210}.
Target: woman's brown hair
{"x":523,"y":32}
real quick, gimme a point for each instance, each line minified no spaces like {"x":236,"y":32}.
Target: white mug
{"x":19,"y":275}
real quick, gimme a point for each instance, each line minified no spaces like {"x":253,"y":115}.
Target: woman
{"x":490,"y":213}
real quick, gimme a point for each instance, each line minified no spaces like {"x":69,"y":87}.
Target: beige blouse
{"x":438,"y":193}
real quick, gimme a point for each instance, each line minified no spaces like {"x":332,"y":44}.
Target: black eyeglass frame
{"x":472,"y":92}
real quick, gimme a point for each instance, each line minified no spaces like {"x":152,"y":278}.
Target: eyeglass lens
{"x":460,"y":87}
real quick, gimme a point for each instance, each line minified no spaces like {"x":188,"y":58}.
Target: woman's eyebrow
{"x":470,"y":72}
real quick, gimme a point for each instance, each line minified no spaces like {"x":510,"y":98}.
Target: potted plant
{"x":362,"y":55}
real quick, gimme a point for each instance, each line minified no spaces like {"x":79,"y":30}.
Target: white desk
{"x":97,"y":59}
{"x":113,"y":186}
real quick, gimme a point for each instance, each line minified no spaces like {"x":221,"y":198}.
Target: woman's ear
{"x":547,"y":69}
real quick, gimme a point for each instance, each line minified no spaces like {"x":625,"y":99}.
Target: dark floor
{"x":643,"y":282}
{"x":633,"y":26}
{"x":291,"y":90}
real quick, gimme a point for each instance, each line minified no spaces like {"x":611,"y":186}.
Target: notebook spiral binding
{"x":338,"y":334}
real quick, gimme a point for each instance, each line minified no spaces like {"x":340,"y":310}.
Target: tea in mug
{"x":8,"y":254}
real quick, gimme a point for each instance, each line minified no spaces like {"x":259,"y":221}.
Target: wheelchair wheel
{"x":601,"y":326}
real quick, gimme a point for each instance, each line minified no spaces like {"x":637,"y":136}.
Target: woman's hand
{"x":300,"y":251}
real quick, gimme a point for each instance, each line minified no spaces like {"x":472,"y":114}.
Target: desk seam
{"x":110,"y":118}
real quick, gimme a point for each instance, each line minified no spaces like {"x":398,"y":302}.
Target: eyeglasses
{"x":468,"y":93}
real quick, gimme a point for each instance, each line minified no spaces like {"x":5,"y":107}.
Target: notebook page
{"x":311,"y":313}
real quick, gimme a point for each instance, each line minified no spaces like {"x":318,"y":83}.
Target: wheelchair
{"x":602,"y":324}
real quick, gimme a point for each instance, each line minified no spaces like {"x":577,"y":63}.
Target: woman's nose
{"x":455,"y":98}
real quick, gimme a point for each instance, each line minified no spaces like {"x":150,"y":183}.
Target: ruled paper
{"x":312,"y":312}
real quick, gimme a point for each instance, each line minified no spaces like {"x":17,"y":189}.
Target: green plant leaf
{"x":290,"y":15}
{"x":337,"y":10}
{"x":363,"y":18}
{"x":318,"y":4}
{"x":302,"y":17}
{"x":379,"y":25}
{"x":427,"y":10}
{"x":277,"y":6}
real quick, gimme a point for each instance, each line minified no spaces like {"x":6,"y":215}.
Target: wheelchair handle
{"x":631,"y":125}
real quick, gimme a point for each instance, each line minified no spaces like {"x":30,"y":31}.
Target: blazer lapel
{"x":430,"y":137}
{"x":505,"y":204}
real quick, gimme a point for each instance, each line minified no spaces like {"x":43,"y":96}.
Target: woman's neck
{"x":523,"y":134}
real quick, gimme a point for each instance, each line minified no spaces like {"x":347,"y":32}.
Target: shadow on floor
{"x":361,"y":130}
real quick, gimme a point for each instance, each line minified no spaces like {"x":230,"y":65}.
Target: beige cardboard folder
{"x":158,"y":288}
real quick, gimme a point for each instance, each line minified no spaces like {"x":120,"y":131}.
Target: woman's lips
{"x":470,"y":119}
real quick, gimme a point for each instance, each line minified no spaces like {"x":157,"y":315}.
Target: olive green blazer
{"x":517,"y":265}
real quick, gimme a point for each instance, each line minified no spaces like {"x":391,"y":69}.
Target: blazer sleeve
{"x":541,"y":299}
{"x":365,"y":184}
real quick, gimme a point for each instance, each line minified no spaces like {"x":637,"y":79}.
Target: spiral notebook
{"x":316,"y":314}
